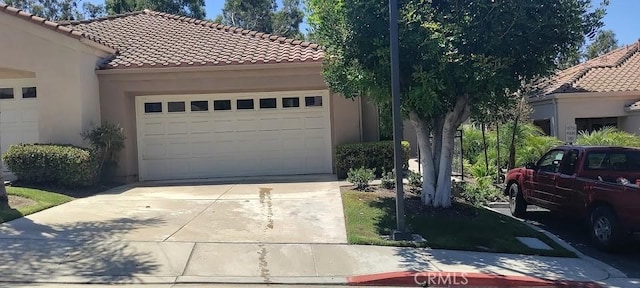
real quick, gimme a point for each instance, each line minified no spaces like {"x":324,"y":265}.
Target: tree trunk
{"x":512,"y":146}
{"x":437,"y":156}
{"x":4,"y":197}
{"x":484,"y":145}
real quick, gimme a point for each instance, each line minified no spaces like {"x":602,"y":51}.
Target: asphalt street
{"x":575,"y":233}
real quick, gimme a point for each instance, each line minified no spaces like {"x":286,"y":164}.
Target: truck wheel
{"x":605,"y":229}
{"x":517,"y":204}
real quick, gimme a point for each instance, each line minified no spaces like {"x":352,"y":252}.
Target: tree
{"x":91,"y":10}
{"x":189,"y":8}
{"x":54,"y":10}
{"x":264,"y":16}
{"x":456,"y":59}
{"x":604,"y":43}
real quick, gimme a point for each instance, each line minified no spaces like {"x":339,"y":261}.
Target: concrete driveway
{"x":155,"y":230}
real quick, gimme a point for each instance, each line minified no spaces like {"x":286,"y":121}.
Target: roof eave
{"x":205,"y":68}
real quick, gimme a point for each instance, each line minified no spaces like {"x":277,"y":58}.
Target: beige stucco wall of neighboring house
{"x":118,"y":90}
{"x":563,"y":109}
{"x":591,"y":105}
{"x":631,"y":123}
{"x":370,"y":121}
{"x":64,"y":75}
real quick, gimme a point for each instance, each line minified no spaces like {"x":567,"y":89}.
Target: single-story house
{"x":195,"y":99}
{"x":603,"y":91}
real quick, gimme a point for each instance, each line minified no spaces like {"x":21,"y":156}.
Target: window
{"x":596,"y":161}
{"x":267,"y":103}
{"x":244,"y":104}
{"x":569,"y":163}
{"x":153,"y":107}
{"x":290,"y":102}
{"x":28,"y":92}
{"x":221,"y":105}
{"x":6,"y":93}
{"x":198,"y":106}
{"x":551,"y":161}
{"x":176,"y":106}
{"x":313,"y":101}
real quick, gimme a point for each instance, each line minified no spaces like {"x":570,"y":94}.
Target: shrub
{"x":360,"y":177}
{"x":106,"y":141}
{"x":63,"y":165}
{"x":415,"y":179}
{"x":608,"y":136}
{"x":481,"y":192}
{"x":371,"y":155}
{"x":388,"y":179}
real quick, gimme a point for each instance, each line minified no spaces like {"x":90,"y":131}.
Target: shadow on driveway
{"x":33,"y":252}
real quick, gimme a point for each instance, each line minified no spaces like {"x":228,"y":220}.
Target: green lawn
{"x":43,"y":200}
{"x":369,"y":215}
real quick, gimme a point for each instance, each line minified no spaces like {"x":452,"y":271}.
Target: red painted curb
{"x":459,"y":279}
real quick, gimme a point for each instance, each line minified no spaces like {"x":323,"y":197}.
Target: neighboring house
{"x":195,"y":99}
{"x":604,"y":91}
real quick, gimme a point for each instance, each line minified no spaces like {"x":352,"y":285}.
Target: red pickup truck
{"x":597,"y":184}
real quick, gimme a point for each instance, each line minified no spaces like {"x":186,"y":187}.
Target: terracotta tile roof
{"x":76,"y":34}
{"x":618,"y":70}
{"x":152,"y":39}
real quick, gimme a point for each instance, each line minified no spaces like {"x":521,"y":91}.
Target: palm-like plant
{"x":608,"y":136}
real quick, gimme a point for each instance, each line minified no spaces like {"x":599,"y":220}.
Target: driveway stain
{"x":266,"y":206}
{"x":265,"y":200}
{"x":263,"y":265}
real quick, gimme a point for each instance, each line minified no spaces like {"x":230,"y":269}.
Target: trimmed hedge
{"x":371,"y":155}
{"x":63,"y":165}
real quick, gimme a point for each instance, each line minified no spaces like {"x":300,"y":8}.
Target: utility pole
{"x":401,"y":232}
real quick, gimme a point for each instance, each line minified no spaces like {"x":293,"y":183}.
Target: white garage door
{"x":222,"y":135}
{"x":18,"y":113}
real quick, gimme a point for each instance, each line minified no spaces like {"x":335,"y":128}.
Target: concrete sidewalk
{"x":245,"y":263}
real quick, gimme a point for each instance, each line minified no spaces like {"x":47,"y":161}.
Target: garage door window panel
{"x":29,"y":92}
{"x":313,"y":101}
{"x":176,"y":107}
{"x":290,"y":102}
{"x":199,"y":106}
{"x":244,"y":104}
{"x":222,"y":105}
{"x":268,"y":103}
{"x":6,"y":93}
{"x":153,"y":107}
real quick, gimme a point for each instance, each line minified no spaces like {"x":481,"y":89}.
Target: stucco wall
{"x":591,"y":106}
{"x":631,"y":123}
{"x":65,"y":78}
{"x":370,"y":121}
{"x":118,"y":92}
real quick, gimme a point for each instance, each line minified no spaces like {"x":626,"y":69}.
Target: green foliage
{"x":55,"y":10}
{"x":63,"y":165}
{"x":483,"y":49}
{"x":388,"y":179}
{"x":604,"y":43}
{"x":189,"y":8}
{"x":106,"y":141}
{"x":481,"y":192}
{"x":415,"y":179}
{"x":264,"y":16}
{"x":531,"y":144}
{"x":372,"y":155}
{"x":608,"y":136}
{"x":360,"y":177}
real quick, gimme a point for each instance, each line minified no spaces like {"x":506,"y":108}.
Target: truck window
{"x":569,"y":163}
{"x":596,"y":161}
{"x":551,"y":161}
{"x":625,"y":161}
